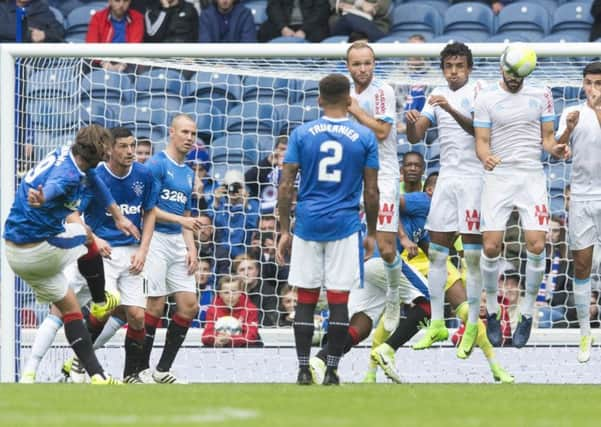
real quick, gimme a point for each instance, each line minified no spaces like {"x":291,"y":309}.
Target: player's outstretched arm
{"x":371,"y":200}
{"x":285,"y":192}
{"x":483,"y":149}
{"x":555,"y":148}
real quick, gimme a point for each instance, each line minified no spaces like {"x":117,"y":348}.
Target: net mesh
{"x":241,"y":107}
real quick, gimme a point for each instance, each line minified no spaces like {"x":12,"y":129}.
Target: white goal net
{"x":245,"y":100}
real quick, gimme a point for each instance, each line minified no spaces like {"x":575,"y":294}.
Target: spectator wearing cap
{"x":204,"y":186}
{"x":39,"y":24}
{"x":236,"y":218}
{"x":116,"y":24}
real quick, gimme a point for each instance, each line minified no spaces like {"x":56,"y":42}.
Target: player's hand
{"x":354,"y":108}
{"x":561,"y":151}
{"x":36,"y":198}
{"x":283,"y":250}
{"x":191,"y":262}
{"x":287,"y":32}
{"x":37,"y":35}
{"x":596,"y":99}
{"x":190,"y":223}
{"x":104,"y":248}
{"x":439,"y":101}
{"x":491,"y":162}
{"x":369,"y":246}
{"x":127,"y":227}
{"x":410,"y":246}
{"x":572,"y":120}
{"x":412,"y":116}
{"x":137,"y":261}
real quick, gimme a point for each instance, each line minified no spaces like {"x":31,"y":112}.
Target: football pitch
{"x":290,"y":405}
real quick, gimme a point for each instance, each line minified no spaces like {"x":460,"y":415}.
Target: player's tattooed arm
{"x":285,"y":193}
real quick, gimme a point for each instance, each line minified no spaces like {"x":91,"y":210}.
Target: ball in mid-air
{"x":519,"y":59}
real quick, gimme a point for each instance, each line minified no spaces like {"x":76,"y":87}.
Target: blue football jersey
{"x":174,"y":186}
{"x":63,"y":184}
{"x":134,"y":194}
{"x":413,"y":217}
{"x":331,"y":154}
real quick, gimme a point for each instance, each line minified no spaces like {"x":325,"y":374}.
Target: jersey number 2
{"x":333,"y":175}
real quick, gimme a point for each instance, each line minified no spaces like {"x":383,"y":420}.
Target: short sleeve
{"x":481,"y":113}
{"x":293,"y":150}
{"x":385,"y":104}
{"x":428,"y":109}
{"x":150,"y":193}
{"x":372,"y":160}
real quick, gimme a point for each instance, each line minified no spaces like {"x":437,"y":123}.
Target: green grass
{"x":289,"y":405}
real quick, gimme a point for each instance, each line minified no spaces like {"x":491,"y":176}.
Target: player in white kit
{"x":510,"y":121}
{"x":579,"y":127}
{"x":456,"y":202}
{"x":373,"y":105}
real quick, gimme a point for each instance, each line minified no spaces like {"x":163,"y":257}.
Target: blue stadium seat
{"x":252,"y":117}
{"x":394,"y":38}
{"x":463,"y":36}
{"x":66,"y":6}
{"x":512,"y":36}
{"x":335,"y":39}
{"x":52,"y":83}
{"x":550,"y":5}
{"x":210,"y":122}
{"x":440,"y":5}
{"x":284,"y":39}
{"x":564,"y":37}
{"x":76,"y":38}
{"x":235,"y":148}
{"x":107,"y":85}
{"x":44,"y":113}
{"x":523,"y":17}
{"x":254,"y":87}
{"x":572,"y":16}
{"x":291,"y":116}
{"x":78,"y":18}
{"x":97,"y":112}
{"x":143,"y":122}
{"x":417,"y":18}
{"x":162,"y":108}
{"x":159,"y":80}
{"x":222,"y":90}
{"x":470,"y":16}
{"x":58,"y":15}
{"x":259,"y":11}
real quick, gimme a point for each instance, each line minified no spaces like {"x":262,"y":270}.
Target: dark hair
{"x":456,"y":49}
{"x":357,"y":36}
{"x":91,"y":143}
{"x":282,"y":139}
{"x":417,"y":36}
{"x":592,"y":68}
{"x":334,"y":89}
{"x":430,"y":178}
{"x":228,"y":278}
{"x":359,"y":45}
{"x":120,"y":132}
{"x":144,"y":141}
{"x":415,"y":153}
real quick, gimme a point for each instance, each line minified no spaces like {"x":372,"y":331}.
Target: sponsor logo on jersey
{"x":472,"y":219}
{"x":128,"y":209}
{"x":380,"y":102}
{"x":386,"y":213}
{"x":542,"y":213}
{"x":174,"y":196}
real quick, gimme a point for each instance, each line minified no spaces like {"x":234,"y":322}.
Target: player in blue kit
{"x":131,"y":185}
{"x":336,"y":158}
{"x":40,"y":243}
{"x":172,"y":257}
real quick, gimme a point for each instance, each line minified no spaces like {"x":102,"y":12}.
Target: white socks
{"x":110,"y":329}
{"x":489,"y":268}
{"x":437,"y":278}
{"x":473,"y":286}
{"x":582,"y":299}
{"x":44,"y":338}
{"x":535,"y":271}
{"x":393,"y":271}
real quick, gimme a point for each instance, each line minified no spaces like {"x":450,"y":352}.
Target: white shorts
{"x":388,"y":213}
{"x":584,"y":224}
{"x":526,"y":191}
{"x":117,"y":278}
{"x":456,"y":205}
{"x":371,"y":298}
{"x":166,"y":268}
{"x":43,"y":266}
{"x":336,"y":264}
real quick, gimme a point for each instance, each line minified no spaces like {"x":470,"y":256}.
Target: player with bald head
{"x":172,"y":258}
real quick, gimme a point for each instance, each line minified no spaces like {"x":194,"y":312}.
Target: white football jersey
{"x":457,"y":147}
{"x":585,"y":142}
{"x":378,"y":100}
{"x":515,"y":122}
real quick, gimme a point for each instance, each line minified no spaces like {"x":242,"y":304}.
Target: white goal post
{"x":283,"y":52}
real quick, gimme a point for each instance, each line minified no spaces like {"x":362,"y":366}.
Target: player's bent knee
{"x":135,"y":317}
{"x":491,"y":249}
{"x":536,"y":247}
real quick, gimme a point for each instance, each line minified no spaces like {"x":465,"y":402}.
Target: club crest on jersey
{"x":472,"y":219}
{"x":542,"y":213}
{"x":138,"y":188}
